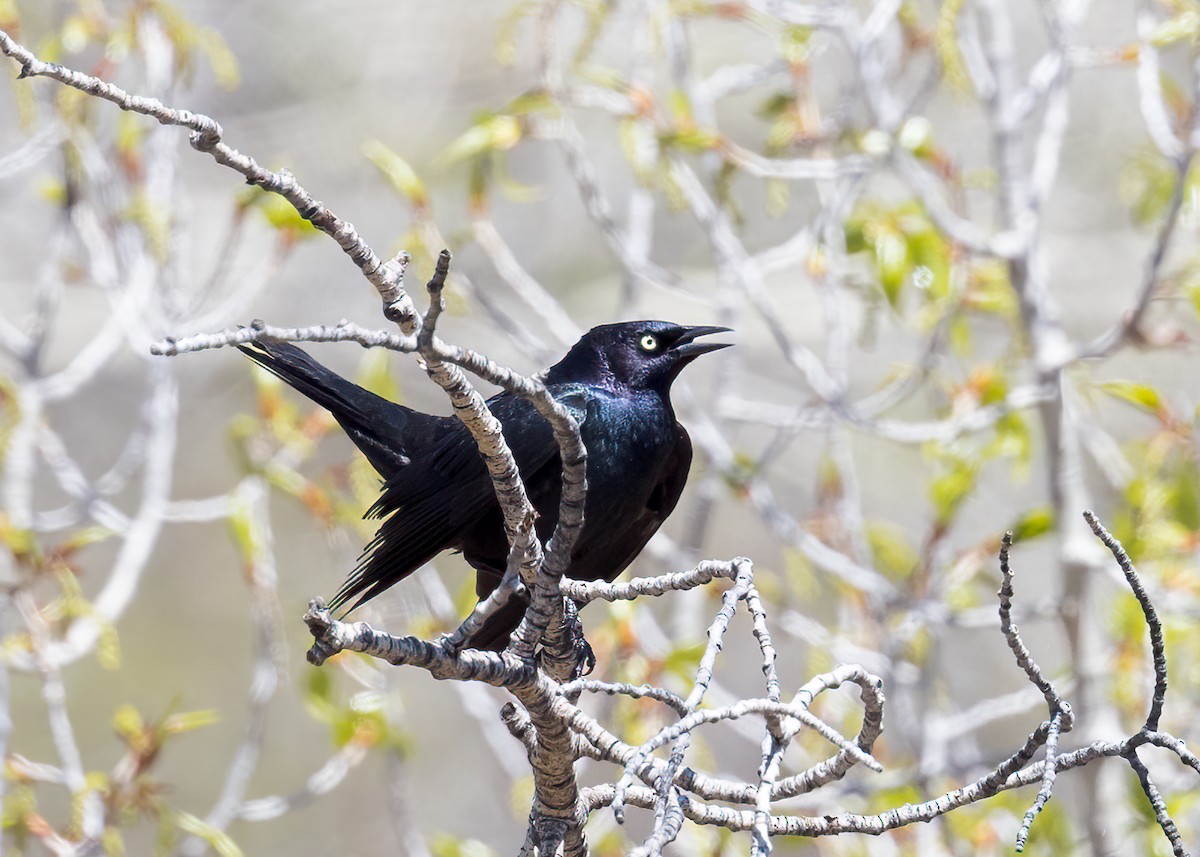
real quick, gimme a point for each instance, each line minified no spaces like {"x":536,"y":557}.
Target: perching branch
{"x":677,"y":791}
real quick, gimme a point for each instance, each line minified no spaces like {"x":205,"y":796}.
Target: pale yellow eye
{"x":648,"y":342}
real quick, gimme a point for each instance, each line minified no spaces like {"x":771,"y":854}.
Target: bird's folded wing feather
{"x":429,"y":503}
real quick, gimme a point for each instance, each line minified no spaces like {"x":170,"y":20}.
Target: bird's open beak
{"x":686,"y":346}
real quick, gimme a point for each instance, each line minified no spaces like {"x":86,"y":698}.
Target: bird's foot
{"x":585,"y":658}
{"x":565,"y":653}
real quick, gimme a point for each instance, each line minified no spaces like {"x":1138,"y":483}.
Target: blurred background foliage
{"x":895,"y":402}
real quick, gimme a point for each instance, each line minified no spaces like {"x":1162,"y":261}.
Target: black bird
{"x":437,"y":493}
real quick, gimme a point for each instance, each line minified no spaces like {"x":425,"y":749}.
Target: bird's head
{"x":634,"y":354}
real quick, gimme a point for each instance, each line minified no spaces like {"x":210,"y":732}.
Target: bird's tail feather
{"x":378,"y":569}
{"x":376,"y":425}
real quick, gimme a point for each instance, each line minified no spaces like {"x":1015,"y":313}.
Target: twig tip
{"x":164,"y":347}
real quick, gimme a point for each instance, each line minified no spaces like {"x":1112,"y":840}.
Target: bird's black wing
{"x":494,"y":633}
{"x":429,"y":504}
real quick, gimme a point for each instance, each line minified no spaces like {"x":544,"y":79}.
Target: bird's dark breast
{"x":629,"y":445}
{"x":631,"y":441}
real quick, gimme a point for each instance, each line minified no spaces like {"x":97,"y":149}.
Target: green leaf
{"x":221,"y":59}
{"x":828,"y":478}
{"x":531,"y":101}
{"x":398,"y":172}
{"x":83,"y":537}
{"x":128,"y":722}
{"x":962,"y":340}
{"x":9,"y":15}
{"x":365,"y":722}
{"x":954,"y":68}
{"x":742,"y":469}
{"x":166,"y":834}
{"x":112,"y":842}
{"x":802,"y":580}
{"x":888,"y":797}
{"x":778,"y":197}
{"x":682,"y":660}
{"x":989,"y":289}
{"x":280,"y":214}
{"x":789,"y":126}
{"x":951,"y":488}
{"x":891,"y":262}
{"x":1185,"y":497}
{"x":79,"y":31}
{"x":374,"y":374}
{"x":131,"y":130}
{"x":155,"y":222}
{"x":1142,"y":396}
{"x":1185,"y":25}
{"x":855,"y":235}
{"x":520,"y":796}
{"x":1147,"y":185}
{"x":603,"y":76}
{"x":776,"y":104}
{"x":244,"y":529}
{"x":1194,"y":294}
{"x":71,"y":602}
{"x":1013,"y":440}
{"x":19,"y":541}
{"x":795,"y":46}
{"x":506,"y":31}
{"x":1034,"y":523}
{"x":890,"y":549}
{"x":445,"y":845}
{"x":186,"y":721}
{"x":919,"y":645}
{"x":597,"y":12}
{"x":680,"y":107}
{"x":930,"y":252}
{"x":689,"y":139}
{"x":19,"y":804}
{"x":219,"y":840}
{"x":108,"y":646}
{"x":629,"y":139}
{"x":904,"y":244}
{"x":492,"y":133}
{"x":10,"y":417}
{"x":318,"y":698}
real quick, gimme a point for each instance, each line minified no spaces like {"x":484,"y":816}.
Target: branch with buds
{"x":546,"y":715}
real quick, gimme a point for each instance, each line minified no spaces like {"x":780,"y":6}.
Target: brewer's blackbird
{"x":437,"y":493}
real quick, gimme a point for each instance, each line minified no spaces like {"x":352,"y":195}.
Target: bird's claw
{"x":585,"y":658}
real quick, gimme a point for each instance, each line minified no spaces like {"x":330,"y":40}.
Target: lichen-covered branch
{"x":678,"y":792}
